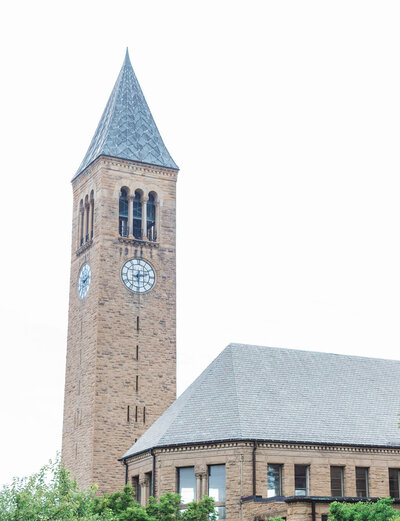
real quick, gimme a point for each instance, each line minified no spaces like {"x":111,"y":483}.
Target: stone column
{"x":144,"y":486}
{"x":144,"y":217}
{"x":198,"y":487}
{"x":130,"y":215}
{"x":200,"y":472}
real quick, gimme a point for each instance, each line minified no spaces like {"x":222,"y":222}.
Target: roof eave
{"x":79,"y":173}
{"x":259,"y":440}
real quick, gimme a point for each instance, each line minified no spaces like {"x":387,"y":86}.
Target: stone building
{"x":268,"y":432}
{"x":264,"y":431}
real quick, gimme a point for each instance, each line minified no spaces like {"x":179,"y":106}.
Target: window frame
{"x":178,"y":470}
{"x":307,"y":477}
{"x":397,"y":470}
{"x":280,"y":468}
{"x":340,"y":468}
{"x":366,"y":478}
{"x":219,"y":505}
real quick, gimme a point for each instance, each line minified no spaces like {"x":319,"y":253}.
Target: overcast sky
{"x":284,"y":117}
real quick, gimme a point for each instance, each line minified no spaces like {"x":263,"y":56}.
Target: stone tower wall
{"x":103,"y":328}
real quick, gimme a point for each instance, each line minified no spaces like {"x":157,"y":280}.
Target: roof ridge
{"x":327,"y":353}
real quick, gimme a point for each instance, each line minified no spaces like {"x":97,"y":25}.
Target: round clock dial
{"x":84,"y":280}
{"x":138,"y":275}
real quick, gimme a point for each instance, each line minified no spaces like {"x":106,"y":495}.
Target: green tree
{"x":382,"y":510}
{"x":51,"y":495}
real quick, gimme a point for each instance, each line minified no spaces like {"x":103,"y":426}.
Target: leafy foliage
{"x":51,"y":495}
{"x":382,"y":510}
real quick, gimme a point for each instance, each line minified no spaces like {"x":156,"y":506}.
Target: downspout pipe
{"x":153,"y":473}
{"x":126,"y":471}
{"x":255,"y":445}
{"x":313,"y":510}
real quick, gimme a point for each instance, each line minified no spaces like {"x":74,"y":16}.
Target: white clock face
{"x":138,"y":275}
{"x":84,"y":280}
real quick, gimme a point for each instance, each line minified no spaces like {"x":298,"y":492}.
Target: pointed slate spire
{"x":127,"y":129}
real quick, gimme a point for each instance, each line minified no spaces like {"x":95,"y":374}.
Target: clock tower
{"x":121,"y":353}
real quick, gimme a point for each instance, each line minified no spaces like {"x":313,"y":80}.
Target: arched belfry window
{"x":91,"y":224}
{"x":81,"y":220}
{"x":123,"y":213}
{"x":151,"y":217}
{"x":137,"y":215}
{"x":87,"y":208}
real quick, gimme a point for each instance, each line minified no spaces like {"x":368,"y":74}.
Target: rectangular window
{"x":217,"y":488}
{"x":301,"y":479}
{"x":150,"y":479}
{"x":274,"y":475}
{"x":337,"y":480}
{"x":362,"y":487}
{"x":137,"y":488}
{"x":186,"y":485}
{"x":394,"y":483}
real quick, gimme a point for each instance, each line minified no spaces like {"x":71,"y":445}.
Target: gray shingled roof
{"x":264,"y":393}
{"x":127,"y":129}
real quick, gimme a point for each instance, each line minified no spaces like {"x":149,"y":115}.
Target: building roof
{"x":284,"y":395}
{"x":127,"y":129}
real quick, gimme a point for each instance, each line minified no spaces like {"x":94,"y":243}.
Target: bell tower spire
{"x":127,"y":129}
{"x":121,"y":352}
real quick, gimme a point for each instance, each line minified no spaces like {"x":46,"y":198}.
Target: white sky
{"x":284,"y":117}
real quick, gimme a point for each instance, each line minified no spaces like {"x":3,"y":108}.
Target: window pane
{"x":150,"y":477}
{"x":137,"y":488}
{"x":216,"y":482}
{"x":301,"y":480}
{"x":274,"y":474}
{"x":187,"y":484}
{"x":337,"y":481}
{"x":362,"y":481}
{"x":123,"y":204}
{"x":394,"y":482}
{"x":221,"y":511}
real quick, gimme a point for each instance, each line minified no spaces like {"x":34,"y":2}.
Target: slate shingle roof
{"x":127,"y":129}
{"x":263,"y":393}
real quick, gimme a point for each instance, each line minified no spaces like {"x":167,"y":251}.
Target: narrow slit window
{"x":137,"y":382}
{"x":127,"y":414}
{"x":136,"y":412}
{"x":137,"y":323}
{"x":144,"y":414}
{"x":137,"y":352}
